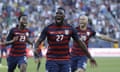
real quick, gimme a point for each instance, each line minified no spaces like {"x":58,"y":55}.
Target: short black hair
{"x":61,"y":8}
{"x":21,"y":16}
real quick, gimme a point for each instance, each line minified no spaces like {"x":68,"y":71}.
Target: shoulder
{"x":68,"y":25}
{"x":50,"y":25}
{"x":13,"y":29}
{"x":46,"y":28}
{"x":90,"y":29}
{"x":77,"y":27}
{"x":27,"y":29}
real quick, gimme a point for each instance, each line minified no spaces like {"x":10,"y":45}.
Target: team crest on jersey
{"x":27,"y":34}
{"x":66,"y":32}
{"x":88,"y":33}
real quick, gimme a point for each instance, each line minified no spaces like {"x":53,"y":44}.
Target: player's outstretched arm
{"x":37,"y":53}
{"x":39,"y":41}
{"x":9,"y":42}
{"x":30,"y":42}
{"x":84,"y":48}
{"x":106,"y":38}
{"x":36,"y":47}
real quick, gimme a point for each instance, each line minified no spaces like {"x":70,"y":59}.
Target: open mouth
{"x":25,"y":24}
{"x":58,"y":19}
{"x":82,"y":25}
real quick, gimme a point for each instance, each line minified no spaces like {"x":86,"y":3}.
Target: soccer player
{"x":58,"y":35}
{"x":3,"y":48}
{"x":79,"y":58}
{"x":17,"y":55}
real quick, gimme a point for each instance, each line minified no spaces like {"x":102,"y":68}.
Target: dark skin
{"x":22,"y":25}
{"x":59,"y":19}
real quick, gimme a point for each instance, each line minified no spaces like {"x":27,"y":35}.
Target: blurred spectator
{"x":41,"y":13}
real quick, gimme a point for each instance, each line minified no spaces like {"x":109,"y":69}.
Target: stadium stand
{"x":103,"y":14}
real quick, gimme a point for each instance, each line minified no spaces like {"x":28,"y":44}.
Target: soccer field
{"x":104,"y":65}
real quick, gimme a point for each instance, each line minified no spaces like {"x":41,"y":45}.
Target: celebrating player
{"x":79,"y":58}
{"x":3,"y":48}
{"x":58,"y":35}
{"x":17,"y":55}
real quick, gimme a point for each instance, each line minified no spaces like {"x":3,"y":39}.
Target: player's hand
{"x":15,"y":38}
{"x":93,"y":62}
{"x":37,"y":57}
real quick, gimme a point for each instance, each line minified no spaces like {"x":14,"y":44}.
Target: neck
{"x":20,"y":27}
{"x":83,"y":27}
{"x":59,"y":24}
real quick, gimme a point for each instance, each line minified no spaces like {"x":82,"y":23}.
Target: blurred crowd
{"x":104,"y":15}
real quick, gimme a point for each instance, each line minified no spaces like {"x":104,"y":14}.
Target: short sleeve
{"x":74,"y":34}
{"x":44,"y":33}
{"x":10,"y":35}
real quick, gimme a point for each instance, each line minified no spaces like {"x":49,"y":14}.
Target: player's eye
{"x":59,"y":13}
{"x":24,"y":19}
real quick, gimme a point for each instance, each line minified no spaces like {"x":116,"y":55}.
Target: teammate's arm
{"x":39,"y":41}
{"x":9,"y":42}
{"x":106,"y":38}
{"x":83,"y":47}
{"x":10,"y":38}
{"x":10,"y":35}
{"x":29,"y":41}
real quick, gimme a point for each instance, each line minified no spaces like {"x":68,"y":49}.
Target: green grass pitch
{"x":105,"y":64}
